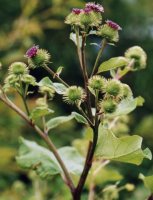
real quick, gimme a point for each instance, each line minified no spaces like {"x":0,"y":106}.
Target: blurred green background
{"x":27,"y":22}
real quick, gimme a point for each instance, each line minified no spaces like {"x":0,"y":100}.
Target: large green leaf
{"x":125,"y":149}
{"x":127,"y":105}
{"x":113,"y":63}
{"x":54,"y":122}
{"x":72,"y":159}
{"x":100,"y":175}
{"x":33,"y":156}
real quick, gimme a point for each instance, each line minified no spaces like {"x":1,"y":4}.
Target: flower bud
{"x":89,"y":18}
{"x":37,"y":57}
{"x":108,"y":105}
{"x":28,"y":79}
{"x":138,"y":55}
{"x":129,"y":187}
{"x":41,"y":102}
{"x":11,"y":81}
{"x":113,"y":88}
{"x":97,"y":83}
{"x":94,"y":7}
{"x":126,"y":91}
{"x":18,"y":68}
{"x":50,"y":91}
{"x":74,"y":95}
{"x":109,"y":31}
{"x":74,"y":17}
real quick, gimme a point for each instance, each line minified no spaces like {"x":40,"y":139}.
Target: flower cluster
{"x":113,"y":92}
{"x":90,"y":16}
{"x":18,"y":74}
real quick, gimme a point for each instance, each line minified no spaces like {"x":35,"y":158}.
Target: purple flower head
{"x":77,"y":11}
{"x":113,"y":25}
{"x":94,"y":7}
{"x":32,"y":51}
{"x":87,"y":10}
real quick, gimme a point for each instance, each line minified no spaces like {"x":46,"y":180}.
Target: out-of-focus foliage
{"x":27,"y":22}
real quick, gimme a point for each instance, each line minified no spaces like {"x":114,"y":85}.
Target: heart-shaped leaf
{"x":33,"y":156}
{"x":125,"y":149}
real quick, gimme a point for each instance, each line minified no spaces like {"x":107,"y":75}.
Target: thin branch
{"x":50,"y":71}
{"x":125,"y":70}
{"x":91,"y":192}
{"x":104,"y":43}
{"x":86,"y":117}
{"x":45,"y":138}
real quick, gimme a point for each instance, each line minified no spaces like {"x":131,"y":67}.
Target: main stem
{"x":45,"y":138}
{"x":85,"y":75}
{"x":89,"y":157}
{"x":88,"y":164}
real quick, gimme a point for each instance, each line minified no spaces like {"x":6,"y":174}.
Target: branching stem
{"x":50,"y":71}
{"x":44,"y":136}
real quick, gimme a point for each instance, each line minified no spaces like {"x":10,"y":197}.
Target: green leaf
{"x":125,"y":149}
{"x":73,"y":38}
{"x":113,"y":63}
{"x":148,"y":181}
{"x":45,"y":82}
{"x":79,"y":118}
{"x":40,"y":112}
{"x":72,"y":159}
{"x":100,"y":175}
{"x":54,"y":122}
{"x":127,"y":105}
{"x":33,"y":156}
{"x":59,"y":88}
{"x":59,"y":71}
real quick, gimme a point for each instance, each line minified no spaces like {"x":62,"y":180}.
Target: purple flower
{"x":77,"y":11}
{"x":32,"y":51}
{"x":94,"y":7}
{"x":113,"y":25}
{"x":87,"y":10}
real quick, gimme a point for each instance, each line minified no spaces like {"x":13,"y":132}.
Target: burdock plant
{"x":99,"y":104}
